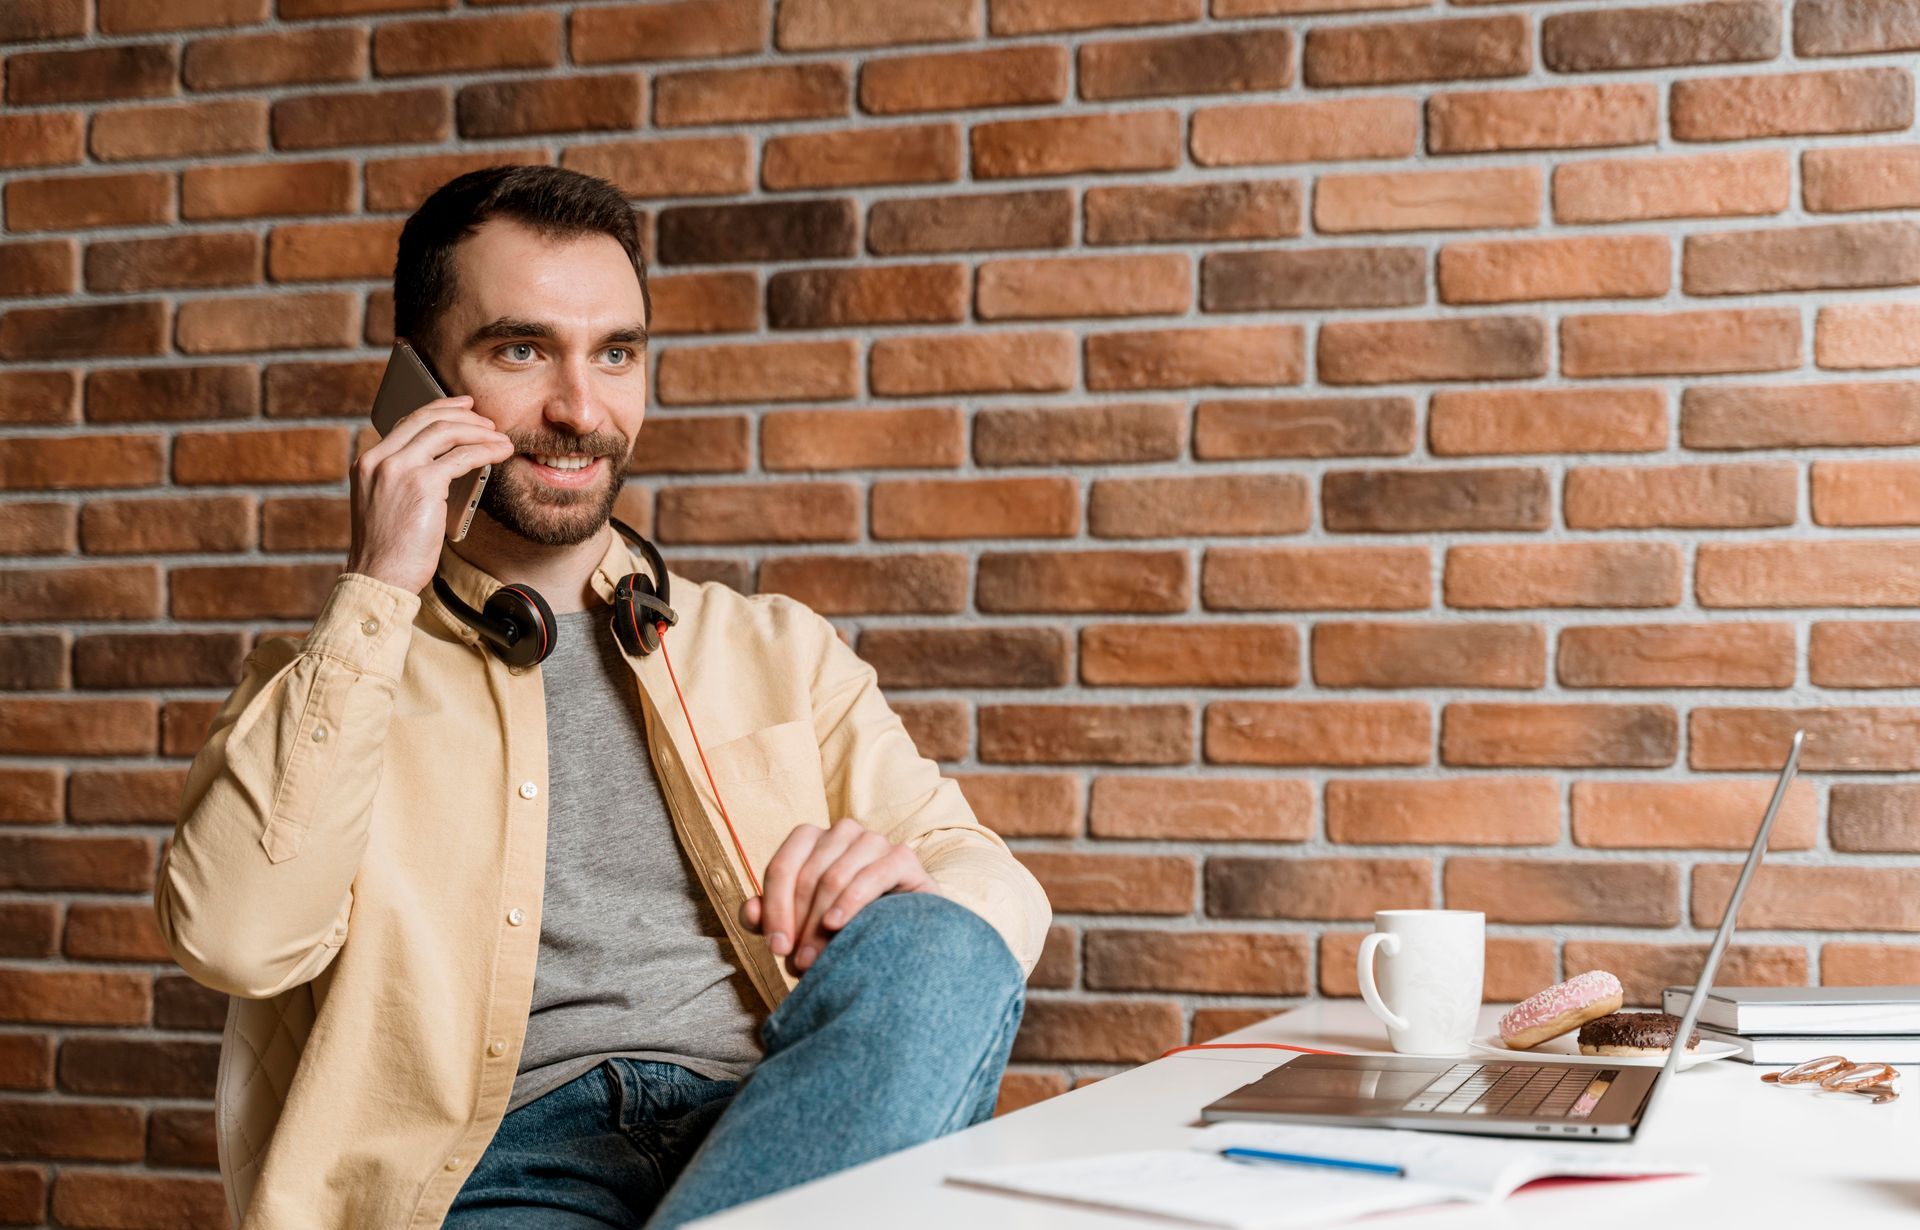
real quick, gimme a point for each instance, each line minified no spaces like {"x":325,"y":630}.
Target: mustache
{"x":586,"y":446}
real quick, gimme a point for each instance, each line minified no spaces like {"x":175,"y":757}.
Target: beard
{"x":537,"y":511}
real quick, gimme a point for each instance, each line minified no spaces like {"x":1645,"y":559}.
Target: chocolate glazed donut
{"x":1632,"y":1033}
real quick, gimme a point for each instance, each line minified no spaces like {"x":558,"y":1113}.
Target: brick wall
{"x":1287,"y":459}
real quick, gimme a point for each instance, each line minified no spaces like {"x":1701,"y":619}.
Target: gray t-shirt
{"x":633,"y":959}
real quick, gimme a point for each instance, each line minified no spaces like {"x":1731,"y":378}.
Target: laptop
{"x":1527,"y":1097}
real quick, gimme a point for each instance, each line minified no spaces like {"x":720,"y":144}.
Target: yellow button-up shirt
{"x":361,"y":852}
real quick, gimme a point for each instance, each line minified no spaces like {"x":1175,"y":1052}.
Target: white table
{"x":1774,"y":1157}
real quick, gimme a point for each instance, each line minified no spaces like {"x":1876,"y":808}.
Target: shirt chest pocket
{"x":771,"y":781}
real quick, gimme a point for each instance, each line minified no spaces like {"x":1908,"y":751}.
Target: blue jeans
{"x":898,"y":1033}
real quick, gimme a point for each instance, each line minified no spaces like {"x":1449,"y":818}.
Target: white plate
{"x":1565,"y":1049}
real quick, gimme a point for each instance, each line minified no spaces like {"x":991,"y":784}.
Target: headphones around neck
{"x":518,"y":624}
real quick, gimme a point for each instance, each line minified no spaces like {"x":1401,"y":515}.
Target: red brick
{"x":1185,"y":213}
{"x":1314,"y":278}
{"x":157,"y":659}
{"x":1723,"y":32}
{"x":1680,"y":343}
{"x":1877,"y":818}
{"x":260,"y":190}
{"x":867,"y":438}
{"x":1812,"y":898}
{"x":766,"y":512}
{"x":1494,"y":197}
{"x":282,"y":455}
{"x":990,"y":657}
{"x":39,"y":527}
{"x":230,"y":126}
{"x":105,"y":1199}
{"x":1077,"y":144}
{"x":251,"y":591}
{"x":887,"y":294}
{"x":41,"y":139}
{"x":859,"y":585}
{"x":1419,"y":655}
{"x":283,"y":57}
{"x":1859,"y":739}
{"x":1704,"y":186}
{"x":116,"y":1064}
{"x":1502,"y":811}
{"x":1048,"y":16}
{"x":1316,"y":578}
{"x":86,"y":591}
{"x":1865,"y":493}
{"x":1040,"y":218}
{"x":1543,"y":890}
{"x":1210,"y":808}
{"x":1564,"y":574}
{"x":1187,"y":506}
{"x":1380,"y":53}
{"x":1707,"y":655}
{"x":78,"y":202}
{"x":1867,"y":335}
{"x":93,"y":74}
{"x":1841,"y":256}
{"x":938,"y":728}
{"x":1078,"y":883}
{"x":1199,"y":655}
{"x":420,"y":115}
{"x":1858,"y":573}
{"x":1864,"y":654}
{"x":971,"y":363}
{"x":26,"y":1062}
{"x":1570,"y":736}
{"x":1025,"y":804}
{"x":1646,"y":970}
{"x":1861,"y":177}
{"x":135,"y":796}
{"x":1707,"y":815}
{"x":168,"y":525}
{"x":1331,"y":131}
{"x":752,"y":95}
{"x":1218,"y":962}
{"x":1226,"y":62}
{"x":1864,"y":414}
{"x":405,"y":183}
{"x":1186,"y":358}
{"x":811,"y":25}
{"x":54,"y":463}
{"x":1083,"y":581}
{"x":1868,"y":965}
{"x":1321,"y":889}
{"x":1824,"y":27}
{"x":1519,"y":421}
{"x":1145,"y":285}
{"x":727,"y":302}
{"x":1715,"y":496}
{"x":1039,"y":507}
{"x":528,"y":106}
{"x":39,"y":397}
{"x":28,"y":929}
{"x":948,"y":81}
{"x":1791,"y":104}
{"x":133,"y":17}
{"x":40,"y":267}
{"x":1019,"y":1090}
{"x":1319,"y":732}
{"x":113,"y":933}
{"x":1114,"y":1031}
{"x":84,"y":330}
{"x":690,"y":30}
{"x":1091,"y":734}
{"x":38,"y":20}
{"x":1463,"y":348}
{"x":32,"y":795}
{"x":74,"y":997}
{"x":693,"y":444}
{"x":1567,"y":117}
{"x":1414,"y":501}
{"x":85,"y":1131}
{"x":1588,"y":267}
{"x":675,"y":167}
{"x":206,"y":258}
{"x":1045,"y":435}
{"x":283,"y":321}
{"x":758,"y":371}
{"x":854,"y":157}
{"x":1303,"y":427}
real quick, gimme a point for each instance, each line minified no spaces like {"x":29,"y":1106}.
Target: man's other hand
{"x":819,"y":879}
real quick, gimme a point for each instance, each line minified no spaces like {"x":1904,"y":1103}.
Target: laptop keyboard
{"x":1529,"y":1090}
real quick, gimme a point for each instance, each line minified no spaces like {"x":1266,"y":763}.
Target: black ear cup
{"x":523,"y":609}
{"x":638,"y":613}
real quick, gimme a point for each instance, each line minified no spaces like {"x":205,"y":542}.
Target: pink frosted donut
{"x":1561,"y":1007}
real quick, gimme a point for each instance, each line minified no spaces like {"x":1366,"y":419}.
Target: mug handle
{"x":1368,"y":990}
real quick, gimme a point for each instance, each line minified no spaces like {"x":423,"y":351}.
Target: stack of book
{"x":1788,"y":1025}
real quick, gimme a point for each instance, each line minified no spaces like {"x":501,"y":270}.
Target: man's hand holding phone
{"x":400,"y":485}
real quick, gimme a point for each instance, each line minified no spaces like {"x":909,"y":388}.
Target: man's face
{"x":549,"y":339}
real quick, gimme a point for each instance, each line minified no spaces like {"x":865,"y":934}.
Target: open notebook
{"x":1197,"y":1185}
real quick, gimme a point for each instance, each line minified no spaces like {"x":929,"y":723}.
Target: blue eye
{"x":519,"y":346}
{"x":620,"y":350}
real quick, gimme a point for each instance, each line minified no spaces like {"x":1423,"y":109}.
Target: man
{"x":608,"y":940}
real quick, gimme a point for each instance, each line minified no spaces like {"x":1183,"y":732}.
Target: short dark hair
{"x":556,"y":202}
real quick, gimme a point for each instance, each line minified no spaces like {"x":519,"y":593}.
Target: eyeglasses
{"x":1879,"y":1081}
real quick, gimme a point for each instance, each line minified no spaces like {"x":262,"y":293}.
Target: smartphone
{"x":408,"y":385}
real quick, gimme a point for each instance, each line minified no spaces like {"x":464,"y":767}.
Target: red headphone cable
{"x":1239,"y":1046}
{"x":668,"y":659}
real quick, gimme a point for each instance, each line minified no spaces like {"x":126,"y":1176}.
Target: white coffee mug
{"x":1431,"y":963}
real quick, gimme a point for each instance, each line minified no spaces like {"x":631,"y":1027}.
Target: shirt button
{"x":319,"y":734}
{"x":370,"y":626}
{"x":528,"y":790}
{"x":453,"y":1163}
{"x":516,"y":670}
{"x":497,"y":1047}
{"x":516,"y":916}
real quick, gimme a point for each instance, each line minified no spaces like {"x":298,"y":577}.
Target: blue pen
{"x":1305,"y":1159}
